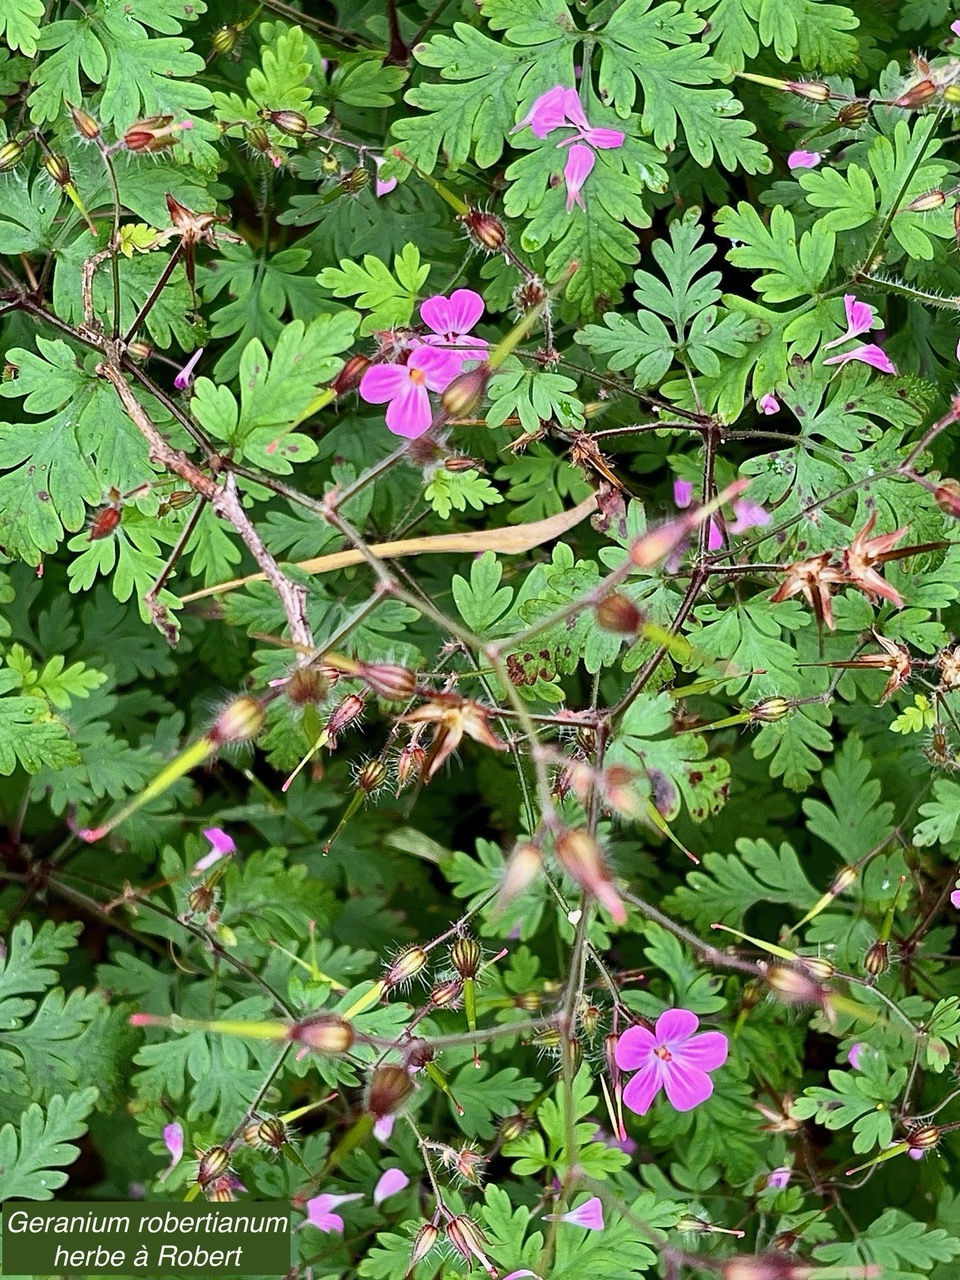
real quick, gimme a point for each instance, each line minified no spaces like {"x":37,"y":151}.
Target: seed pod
{"x":220,"y":1191}
{"x":423,"y":1242}
{"x":770,"y":710}
{"x":513,"y":1127}
{"x":580,"y":856}
{"x":447,"y":995}
{"x":951,"y":95}
{"x":348,"y":379}
{"x":344,"y":714}
{"x":293,"y":123}
{"x":877,"y":959}
{"x":200,"y":899}
{"x":751,"y":996}
{"x":251,"y":1134}
{"x":410,"y":764}
{"x":11,"y":153}
{"x":104,"y":523}
{"x":466,"y":956}
{"x":590,"y":1019}
{"x":464,"y":395}
{"x":405,"y":967}
{"x":390,"y":1087}
{"x":324,"y":1033}
{"x":934,"y":199}
{"x":389,"y":681}
{"x":58,"y":168}
{"x":819,"y":967}
{"x":917,"y":95}
{"x":354,"y":180}
{"x":155,"y":133}
{"x":812,"y":90}
{"x":258,"y":139}
{"x":845,"y":878}
{"x":617,"y":613}
{"x":767,"y":1266}
{"x":225,"y":40}
{"x":143,"y":351}
{"x":484,"y":229}
{"x":924,"y":1138}
{"x":418,"y":1053}
{"x":239,"y":721}
{"x":528,"y":1001}
{"x":531,"y":293}
{"x":460,"y":463}
{"x":853,"y":114}
{"x":85,"y":124}
{"x":213,"y":1164}
{"x":468,"y":1240}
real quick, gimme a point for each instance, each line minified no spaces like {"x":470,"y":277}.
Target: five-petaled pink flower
{"x":406,"y":387}
{"x":672,"y":1058}
{"x":589,"y":1215}
{"x":451,"y":320}
{"x":561,"y":108}
{"x":320,"y":1212}
{"x":870,"y":354}
{"x":804,"y":159}
{"x":859,"y":320}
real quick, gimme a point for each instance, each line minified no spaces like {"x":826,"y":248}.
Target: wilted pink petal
{"x":390,"y":1183}
{"x":185,"y":377}
{"x":769,"y":404}
{"x":173,"y":1141}
{"x":682,"y":493}
{"x":320,"y":1215}
{"x":589,"y":1215}
{"x":748,"y":515}
{"x":222,"y":845}
{"x":381,"y":188}
{"x":779,"y":1178}
{"x":604,"y":139}
{"x":916,"y":1153}
{"x":859,"y":320}
{"x":580,"y":162}
{"x":955,"y":899}
{"x":546,"y":114}
{"x":803,"y":159}
{"x":870,"y":354}
{"x":383,"y":1128}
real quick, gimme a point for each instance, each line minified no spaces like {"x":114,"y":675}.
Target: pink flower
{"x":546,"y":114}
{"x":769,"y":404}
{"x":173,"y":1141}
{"x":670,"y":1058}
{"x":748,"y":515}
{"x":955,"y":899}
{"x":779,"y":1179}
{"x":381,"y":188}
{"x":854,"y":1055}
{"x":859,"y":320}
{"x":604,"y":139}
{"x":589,"y":1215}
{"x":803,"y":159}
{"x":320,"y":1215}
{"x":451,"y":320}
{"x":870,"y":354}
{"x":222,"y":845}
{"x":579,"y":166}
{"x":517,"y":1275}
{"x":390,"y":1183}
{"x":955,"y":28}
{"x":184,"y":378}
{"x":383,"y":1127}
{"x":714,"y":536}
{"x":682,"y":493}
{"x":407,"y":387}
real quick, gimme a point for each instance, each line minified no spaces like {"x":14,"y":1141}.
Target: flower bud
{"x":239,"y":721}
{"x":155,"y":133}
{"x":220,"y":1191}
{"x":579,"y":855}
{"x":531,"y":293}
{"x":418,"y":1053}
{"x":947,"y":493}
{"x":852,"y":115}
{"x":305,"y":685}
{"x":293,"y":123}
{"x":459,"y":462}
{"x":751,"y":996}
{"x":468,"y":1240}
{"x":348,"y":379}
{"x":818,"y":967}
{"x":354,"y":180}
{"x":877,"y":959}
{"x":410,"y":764}
{"x":58,"y":168}
{"x":225,"y":40}
{"x":344,"y":714}
{"x":466,"y":956}
{"x":528,"y":1001}
{"x":390,"y":1087}
{"x":514,"y":1127}
{"x":258,"y":139}
{"x":213,"y":1164}
{"x":951,"y":95}
{"x":251,"y":1134}
{"x":525,"y":864}
{"x":617,"y":613}
{"x":590,"y":1019}
{"x":792,"y":985}
{"x":200,"y":899}
{"x":272,"y":1132}
{"x":85,"y":124}
{"x":934,"y":199}
{"x":916,"y":95}
{"x":137,"y":350}
{"x":770,"y":710}
{"x":924,"y":1138}
{"x":104,"y":523}
{"x":464,"y":395}
{"x":845,"y":878}
{"x":388,"y":681}
{"x":405,"y":967}
{"x":371,"y":775}
{"x":423,"y":1242}
{"x":11,"y":153}
{"x":812,"y":90}
{"x":324,"y":1033}
{"x":447,"y":995}
{"x":484,"y":229}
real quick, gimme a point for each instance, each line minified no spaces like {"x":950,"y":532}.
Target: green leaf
{"x":458,"y":489}
{"x":482,"y":600}
{"x":794,"y":266}
{"x":856,"y":823}
{"x":31,"y":1168}
{"x":940,"y":815}
{"x":389,"y":296}
{"x":728,"y":885}
{"x":20,"y":24}
{"x":903,"y":1248}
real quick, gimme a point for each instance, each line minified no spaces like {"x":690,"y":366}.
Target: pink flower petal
{"x":749,"y":515}
{"x":173,"y":1140}
{"x":707,"y":1051}
{"x":642,"y":1088}
{"x":383,"y":1128}
{"x":381,"y":382}
{"x":580,"y":162}
{"x":390,"y":1183}
{"x":382,"y":188}
{"x":854,"y":1055}
{"x":803,"y":159}
{"x":589,"y":1215}
{"x":546,"y":114}
{"x":686,"y":1087}
{"x":438,"y":368}
{"x":319,"y":1213}
{"x":779,"y":1178}
{"x":769,"y":404}
{"x":604,"y":139}
{"x":674,"y":1026}
{"x":466,"y":310}
{"x":714,"y":536}
{"x":634,"y":1048}
{"x":573,"y":110}
{"x":222,"y":843}
{"x":409,"y":413}
{"x":185,"y":377}
{"x":859,"y":320}
{"x":955,"y":899}
{"x":682,"y":493}
{"x":870,"y":354}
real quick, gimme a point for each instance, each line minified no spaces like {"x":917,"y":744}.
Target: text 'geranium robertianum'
{"x":672,"y":1058}
{"x":561,"y":108}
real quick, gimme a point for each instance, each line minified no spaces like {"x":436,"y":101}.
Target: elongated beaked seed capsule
{"x":924,"y":1138}
{"x":447,"y":994}
{"x":812,"y":90}
{"x":917,"y":95}
{"x":85,"y":124}
{"x":484,"y":229}
{"x":389,"y":681}
{"x":770,"y":710}
{"x":423,"y":1242}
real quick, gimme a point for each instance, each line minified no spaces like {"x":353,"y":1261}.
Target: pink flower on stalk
{"x":870,"y":354}
{"x":381,"y":188}
{"x":222,"y":845}
{"x":389,"y":1184}
{"x":383,"y":1127}
{"x":803,"y":159}
{"x":779,"y":1178}
{"x":859,"y":320}
{"x":579,"y":166}
{"x":768,"y":404}
{"x":320,"y":1212}
{"x":184,"y":378}
{"x":173,"y":1141}
{"x":406,"y":387}
{"x":670,"y":1058}
{"x":589,"y":1215}
{"x":451,"y":320}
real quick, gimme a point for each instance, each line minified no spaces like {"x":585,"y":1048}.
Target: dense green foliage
{"x":586,"y":742}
